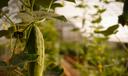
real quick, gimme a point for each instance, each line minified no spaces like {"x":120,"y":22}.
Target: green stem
{"x":50,"y":5}
{"x":11,"y":43}
{"x":27,"y":26}
{"x":12,"y":23}
{"x":125,"y":48}
{"x":24,"y":4}
{"x":13,"y":52}
{"x":33,"y":2}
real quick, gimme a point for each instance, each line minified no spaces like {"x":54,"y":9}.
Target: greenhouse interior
{"x":63,"y":37}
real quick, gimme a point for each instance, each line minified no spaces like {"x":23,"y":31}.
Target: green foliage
{"x":97,"y":20}
{"x":110,"y":30}
{"x":62,"y":18}
{"x":72,"y":49}
{"x":23,"y":58}
{"x":71,"y":0}
{"x":54,"y":70}
{"x":46,"y":3}
{"x":75,"y":29}
{"x":49,"y":31}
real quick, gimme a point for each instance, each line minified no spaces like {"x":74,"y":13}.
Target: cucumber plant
{"x":35,"y":45}
{"x":27,"y":33}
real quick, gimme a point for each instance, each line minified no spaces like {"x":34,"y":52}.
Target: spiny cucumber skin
{"x":35,"y":45}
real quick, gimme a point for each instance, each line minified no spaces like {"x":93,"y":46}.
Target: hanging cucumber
{"x":35,"y":45}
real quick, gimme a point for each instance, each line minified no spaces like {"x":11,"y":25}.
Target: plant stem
{"x":27,"y":26}
{"x":24,"y":4}
{"x":11,"y":43}
{"x":13,"y":52}
{"x":12,"y":23}
{"x":125,"y":48}
{"x":33,"y":2}
{"x":50,"y":5}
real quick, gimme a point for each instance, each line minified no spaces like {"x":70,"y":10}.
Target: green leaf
{"x":81,"y":6}
{"x":22,"y":58}
{"x":108,"y":31}
{"x":101,"y":10}
{"x":56,"y":5}
{"x":71,"y":1}
{"x":98,"y":20}
{"x":96,"y":6}
{"x":106,"y":1}
{"x":75,"y":29}
{"x":43,"y":3}
{"x":62,"y":18}
{"x":46,"y":3}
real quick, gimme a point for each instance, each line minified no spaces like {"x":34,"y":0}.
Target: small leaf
{"x":75,"y":29}
{"x":56,"y":5}
{"x":106,"y":1}
{"x":81,"y":6}
{"x":101,"y":10}
{"x":71,"y":1}
{"x":96,"y":6}
{"x":62,"y":18}
{"x":22,"y":58}
{"x":98,"y":20}
{"x":108,"y":31}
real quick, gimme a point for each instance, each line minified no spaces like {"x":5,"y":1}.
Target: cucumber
{"x":35,"y":45}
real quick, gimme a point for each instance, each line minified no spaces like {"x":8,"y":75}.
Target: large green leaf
{"x":108,"y":31}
